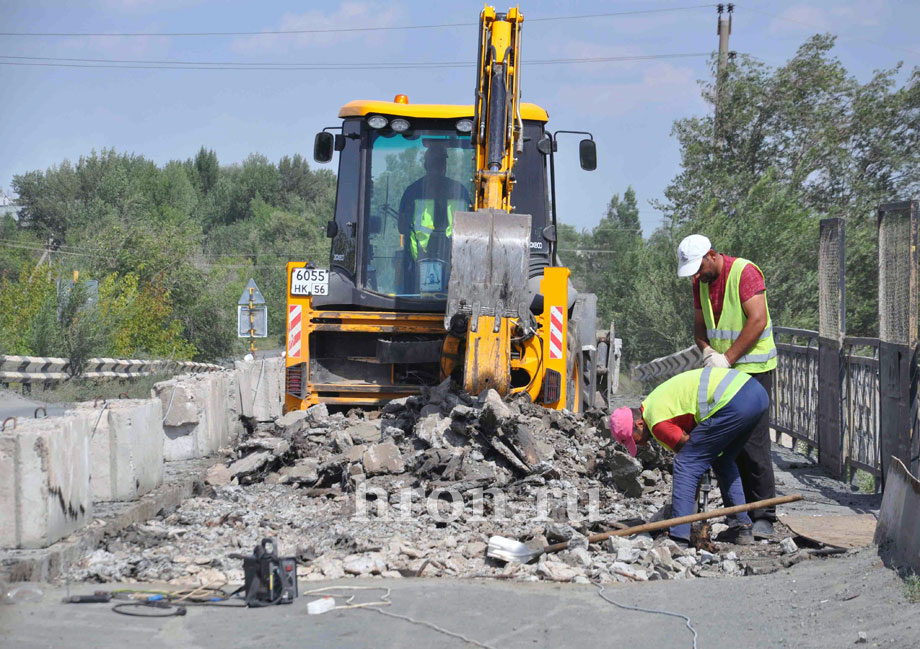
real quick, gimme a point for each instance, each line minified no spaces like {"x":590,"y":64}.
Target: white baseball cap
{"x":690,"y":254}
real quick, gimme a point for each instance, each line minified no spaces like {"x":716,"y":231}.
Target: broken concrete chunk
{"x":788,"y":545}
{"x":557,"y":570}
{"x":624,"y":471}
{"x":249,"y":464}
{"x":370,"y":563}
{"x":291,"y":423}
{"x":383,"y":458}
{"x":494,"y":412}
{"x":304,"y":470}
{"x":435,"y":431}
{"x":629,"y":555}
{"x":364,"y":432}
{"x":218,"y":475}
{"x":628,"y":571}
{"x":317,"y":415}
{"x":662,"y":556}
{"x":395,"y":406}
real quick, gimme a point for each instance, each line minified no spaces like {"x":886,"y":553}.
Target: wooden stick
{"x":692,"y":518}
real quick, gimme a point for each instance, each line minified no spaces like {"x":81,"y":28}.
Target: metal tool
{"x":507,"y":549}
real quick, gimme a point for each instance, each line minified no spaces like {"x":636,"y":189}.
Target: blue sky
{"x":52,"y":113}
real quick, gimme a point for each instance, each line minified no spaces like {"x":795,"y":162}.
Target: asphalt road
{"x":13,"y":404}
{"x":821,"y":603}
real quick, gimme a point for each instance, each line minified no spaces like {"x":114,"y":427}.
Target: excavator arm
{"x":488,"y":296}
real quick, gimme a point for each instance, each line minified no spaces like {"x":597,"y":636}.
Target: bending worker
{"x":732,"y":328}
{"x":705,"y":416}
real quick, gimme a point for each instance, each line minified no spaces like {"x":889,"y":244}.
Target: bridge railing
{"x":29,"y":370}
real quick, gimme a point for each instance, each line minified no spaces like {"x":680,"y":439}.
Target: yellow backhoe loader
{"x":443,"y":255}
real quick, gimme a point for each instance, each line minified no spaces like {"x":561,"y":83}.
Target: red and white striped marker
{"x":294,"y":311}
{"x":555,"y":332}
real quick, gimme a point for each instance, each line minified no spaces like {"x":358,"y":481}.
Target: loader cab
{"x":404,"y":171}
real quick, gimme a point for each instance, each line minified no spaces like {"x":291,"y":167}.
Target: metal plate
{"x":846,"y":531}
{"x":309,"y":281}
{"x":490,"y":250}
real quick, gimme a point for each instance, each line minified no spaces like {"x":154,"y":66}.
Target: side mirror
{"x":332,"y":229}
{"x":323,"y":145}
{"x":587,"y":155}
{"x":545,"y":145}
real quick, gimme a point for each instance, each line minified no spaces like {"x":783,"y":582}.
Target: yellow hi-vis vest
{"x":424,"y":222}
{"x":701,"y":392}
{"x":759,"y":358}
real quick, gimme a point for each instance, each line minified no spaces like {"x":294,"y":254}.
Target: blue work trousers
{"x":723,"y":433}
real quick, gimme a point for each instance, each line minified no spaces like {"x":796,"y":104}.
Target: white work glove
{"x":712,"y":358}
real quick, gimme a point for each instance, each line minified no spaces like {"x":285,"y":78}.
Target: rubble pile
{"x":417,"y":489}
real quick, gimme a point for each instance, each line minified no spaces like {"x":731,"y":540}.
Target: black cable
{"x":170,"y":610}
{"x":285,"y":67}
{"x":339,"y":30}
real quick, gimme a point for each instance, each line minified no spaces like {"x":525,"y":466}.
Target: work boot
{"x":763,"y":528}
{"x":744,"y":535}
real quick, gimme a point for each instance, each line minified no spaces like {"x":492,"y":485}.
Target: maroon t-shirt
{"x":751,"y":284}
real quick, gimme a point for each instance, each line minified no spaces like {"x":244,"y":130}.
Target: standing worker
{"x":732,"y":328}
{"x":705,"y":416}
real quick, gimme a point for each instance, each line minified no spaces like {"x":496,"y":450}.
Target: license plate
{"x":310,"y":281}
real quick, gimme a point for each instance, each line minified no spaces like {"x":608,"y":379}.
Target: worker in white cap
{"x":732,"y":328}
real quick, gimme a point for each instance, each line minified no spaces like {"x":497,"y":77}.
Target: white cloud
{"x":349,"y":14}
{"x":841,"y":17}
{"x":660,"y":85}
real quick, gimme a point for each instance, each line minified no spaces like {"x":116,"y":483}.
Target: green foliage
{"x":24,"y":306}
{"x":795,"y":144}
{"x":912,"y":588}
{"x":172,"y":246}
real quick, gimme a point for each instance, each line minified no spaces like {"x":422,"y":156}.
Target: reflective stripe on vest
{"x":424,"y":220}
{"x":701,"y":392}
{"x":761,"y":357}
{"x":703,"y":404}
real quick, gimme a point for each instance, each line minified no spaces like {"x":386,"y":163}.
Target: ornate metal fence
{"x":861,"y":403}
{"x":794,"y":408}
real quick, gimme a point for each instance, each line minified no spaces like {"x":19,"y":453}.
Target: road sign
{"x":258,"y":324}
{"x":256,"y":294}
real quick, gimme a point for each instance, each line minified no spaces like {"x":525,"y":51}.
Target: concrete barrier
{"x":197,"y":415}
{"x":260,"y":388}
{"x":126,"y":447}
{"x":45,"y":490}
{"x":898,"y":531}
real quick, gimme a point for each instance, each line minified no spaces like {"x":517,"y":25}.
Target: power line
{"x":340,"y":30}
{"x":128,"y":64}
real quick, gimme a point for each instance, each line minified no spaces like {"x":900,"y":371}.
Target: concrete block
{"x":260,"y":388}
{"x":898,"y":530}
{"x":126,"y":448}
{"x":44,"y":480}
{"x":198,"y":417}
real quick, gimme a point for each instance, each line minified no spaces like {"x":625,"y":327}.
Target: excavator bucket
{"x":488,"y":283}
{"x":489,"y":260}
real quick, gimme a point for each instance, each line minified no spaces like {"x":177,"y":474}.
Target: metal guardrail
{"x":40,"y":369}
{"x":667,"y":366}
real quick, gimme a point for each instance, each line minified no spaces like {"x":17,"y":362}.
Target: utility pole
{"x":723,"y":29}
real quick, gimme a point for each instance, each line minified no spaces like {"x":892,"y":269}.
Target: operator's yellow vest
{"x":701,"y":392}
{"x":424,"y":219}
{"x":762,"y":356}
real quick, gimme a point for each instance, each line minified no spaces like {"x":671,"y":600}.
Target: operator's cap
{"x":690,"y":254}
{"x":621,"y":428}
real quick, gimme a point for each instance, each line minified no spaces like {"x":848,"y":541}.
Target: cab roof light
{"x":377,"y":121}
{"x":400,"y":99}
{"x":464,"y":125}
{"x":400,"y":125}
